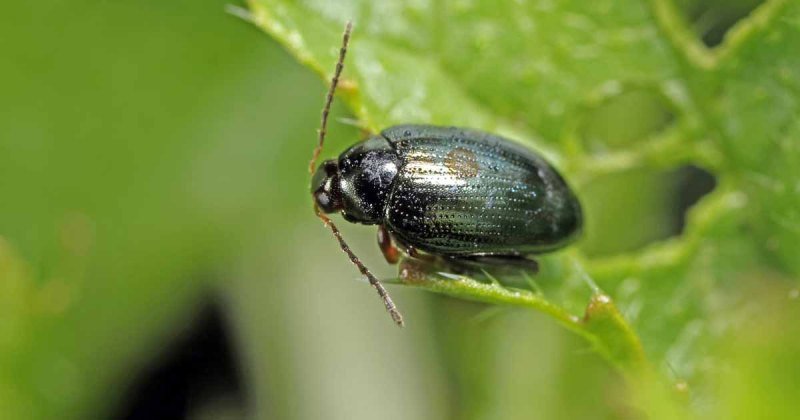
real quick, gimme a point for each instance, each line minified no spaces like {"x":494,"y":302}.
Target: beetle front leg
{"x":390,"y":252}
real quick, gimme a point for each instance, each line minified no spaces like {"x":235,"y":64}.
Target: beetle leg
{"x":415,"y":253}
{"x":500,"y":261}
{"x":411,"y":251}
{"x":390,"y":252}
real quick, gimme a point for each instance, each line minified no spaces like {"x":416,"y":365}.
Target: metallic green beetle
{"x":465,"y":196}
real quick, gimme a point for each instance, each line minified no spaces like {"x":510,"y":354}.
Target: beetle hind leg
{"x":476,"y":262}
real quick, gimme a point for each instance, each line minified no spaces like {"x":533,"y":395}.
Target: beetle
{"x":464,"y":196}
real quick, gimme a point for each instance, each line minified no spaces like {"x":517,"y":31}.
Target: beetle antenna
{"x":387,"y":300}
{"x":329,"y":98}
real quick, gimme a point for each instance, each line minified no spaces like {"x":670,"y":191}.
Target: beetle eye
{"x":318,"y":179}
{"x":323,"y":201}
{"x":328,"y":169}
{"x":325,"y":187}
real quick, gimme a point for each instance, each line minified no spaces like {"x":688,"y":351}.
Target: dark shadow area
{"x":603,"y":131}
{"x":712,"y":19}
{"x":692,"y":183}
{"x":648,"y":205}
{"x":196,"y":374}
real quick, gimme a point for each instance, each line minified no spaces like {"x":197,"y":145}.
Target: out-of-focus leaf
{"x":18,"y":298}
{"x":133,"y":161}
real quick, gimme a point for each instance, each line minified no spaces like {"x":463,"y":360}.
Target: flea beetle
{"x":459,"y":195}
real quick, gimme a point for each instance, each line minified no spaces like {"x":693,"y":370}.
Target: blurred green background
{"x":153,"y":164}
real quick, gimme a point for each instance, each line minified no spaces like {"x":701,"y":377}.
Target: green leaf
{"x":602,"y":324}
{"x":542,"y":72}
{"x":757,"y":112}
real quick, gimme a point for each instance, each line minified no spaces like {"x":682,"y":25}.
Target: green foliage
{"x":129,"y":169}
{"x":542,"y":72}
{"x":154,"y":158}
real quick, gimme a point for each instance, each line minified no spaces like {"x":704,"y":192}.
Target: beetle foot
{"x":415,"y":271}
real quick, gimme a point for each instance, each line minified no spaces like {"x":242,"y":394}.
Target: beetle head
{"x":325,"y":187}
